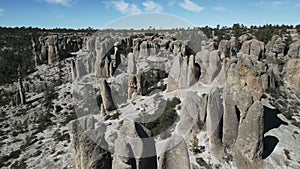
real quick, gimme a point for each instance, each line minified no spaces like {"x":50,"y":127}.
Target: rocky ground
{"x":153,"y":101}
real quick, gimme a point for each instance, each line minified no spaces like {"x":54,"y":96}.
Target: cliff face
{"x":53,"y":48}
{"x":153,"y":101}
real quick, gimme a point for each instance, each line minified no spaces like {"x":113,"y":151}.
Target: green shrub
{"x":166,"y":120}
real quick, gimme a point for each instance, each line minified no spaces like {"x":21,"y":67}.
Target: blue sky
{"x":98,"y":13}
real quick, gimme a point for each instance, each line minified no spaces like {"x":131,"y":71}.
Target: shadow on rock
{"x":271,"y":120}
{"x":270,"y":143}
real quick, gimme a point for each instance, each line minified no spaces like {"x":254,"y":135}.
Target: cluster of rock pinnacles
{"x":233,"y":114}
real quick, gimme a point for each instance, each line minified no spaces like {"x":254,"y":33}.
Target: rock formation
{"x":228,"y":48}
{"x":276,"y":47}
{"x":106,"y":96}
{"x":292,"y":75}
{"x":182,"y":73}
{"x":53,"y":48}
{"x":80,"y":69}
{"x":244,"y":85}
{"x":294,"y":50}
{"x":253,"y":47}
{"x":134,"y":148}
{"x":176,"y":155}
{"x":21,"y":91}
{"x":73,"y":71}
{"x":214,"y":119}
{"x":210,"y":65}
{"x":89,"y":144}
{"x":224,"y":48}
{"x":131,"y":64}
{"x":250,"y":139}
{"x":53,"y":53}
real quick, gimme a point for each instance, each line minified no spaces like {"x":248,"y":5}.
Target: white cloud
{"x":123,"y":7}
{"x":1,"y":12}
{"x":151,"y":6}
{"x":219,"y":8}
{"x":278,"y":2}
{"x":191,"y":6}
{"x":60,"y":2}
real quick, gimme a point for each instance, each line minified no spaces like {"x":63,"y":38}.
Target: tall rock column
{"x":214,"y":120}
{"x":176,"y":155}
{"x":20,"y":87}
{"x":89,"y":144}
{"x":73,"y":71}
{"x":107,"y":96}
{"x":53,"y":53}
{"x":21,"y":91}
{"x":250,"y":139}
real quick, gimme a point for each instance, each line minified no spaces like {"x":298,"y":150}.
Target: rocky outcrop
{"x":179,"y":46}
{"x":73,"y":71}
{"x":103,"y":69}
{"x":292,"y":74}
{"x":228,"y":48}
{"x":254,"y":48}
{"x":131,"y":64}
{"x":208,"y":45}
{"x":214,"y":119}
{"x":294,"y":50}
{"x":244,"y":85}
{"x":53,"y":48}
{"x":210,"y":65}
{"x":107,"y":57}
{"x":134,"y":148}
{"x":106,"y":96}
{"x":243,"y":124}
{"x":53,"y":53}
{"x":175,"y":155}
{"x":224,"y":48}
{"x":134,"y":86}
{"x":276,"y":47}
{"x":80,"y":69}
{"x":21,"y":91}
{"x":20,"y":97}
{"x":182,"y":73}
{"x":136,"y":46}
{"x":250,"y":139}
{"x":89,"y":144}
